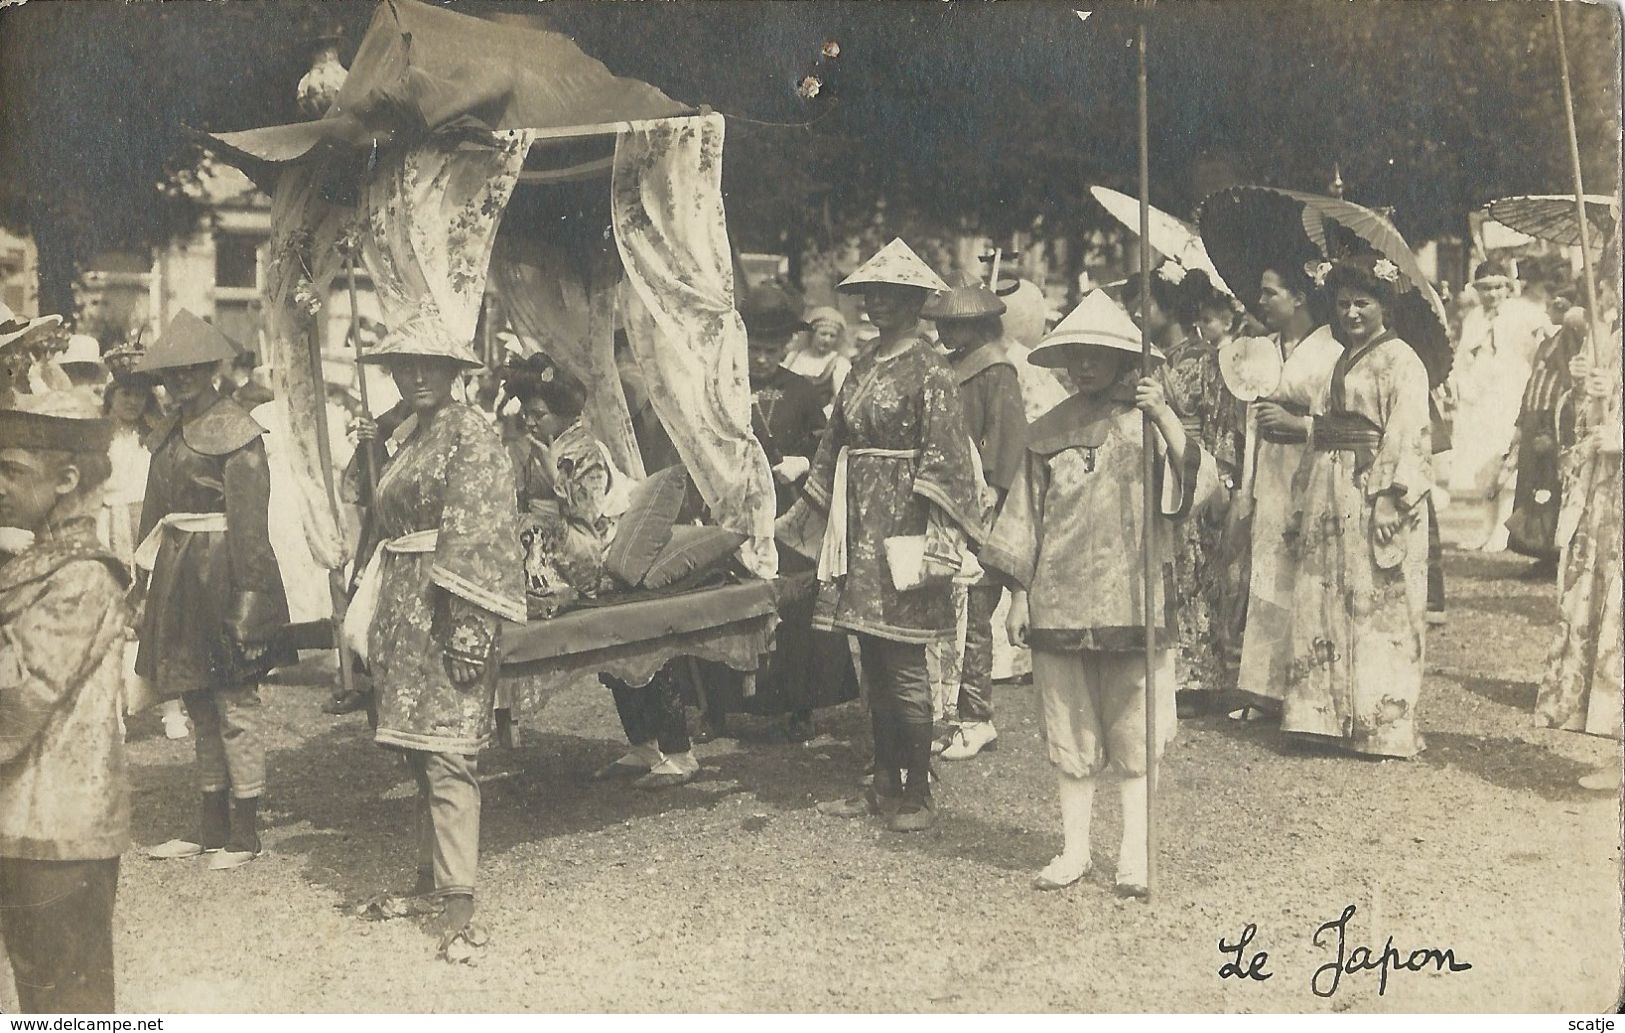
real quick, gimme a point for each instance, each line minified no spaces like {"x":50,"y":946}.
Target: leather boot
{"x":244,"y":844}
{"x":916,"y":812}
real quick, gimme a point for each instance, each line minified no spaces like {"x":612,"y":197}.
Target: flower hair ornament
{"x":1317,"y":271}
{"x":1171,"y":272}
{"x":1385,"y":270}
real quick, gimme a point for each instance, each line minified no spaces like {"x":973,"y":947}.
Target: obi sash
{"x":358,"y":618}
{"x":1286,"y":437}
{"x":832,"y":554}
{"x":146,"y":554}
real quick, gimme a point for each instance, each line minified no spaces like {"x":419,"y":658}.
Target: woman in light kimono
{"x":1581,"y":689}
{"x":1360,"y":534}
{"x":894,"y":465}
{"x":1277,"y":436}
{"x":447,"y":573}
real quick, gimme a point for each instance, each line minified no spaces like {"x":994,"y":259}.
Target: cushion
{"x":645,"y":528}
{"x":691,"y":550}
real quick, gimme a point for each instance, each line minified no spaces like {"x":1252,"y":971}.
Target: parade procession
{"x":485,"y":535}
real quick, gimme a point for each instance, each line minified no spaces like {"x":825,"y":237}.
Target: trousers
{"x":976,"y":670}
{"x":57,"y":920}
{"x":230,"y":746}
{"x":653,"y":713}
{"x":898,"y":683}
{"x":448,"y":818}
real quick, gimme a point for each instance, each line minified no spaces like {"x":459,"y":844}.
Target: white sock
{"x":1131,"y":857}
{"x":1077,"y":805}
{"x":684,"y":762}
{"x":642,"y":755}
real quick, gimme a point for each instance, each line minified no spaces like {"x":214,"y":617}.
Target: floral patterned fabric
{"x":566,"y":519}
{"x":1075,"y":517}
{"x":1270,"y":495}
{"x":1581,"y":690}
{"x":906,"y":402}
{"x":1213,"y":419}
{"x":454,"y":477}
{"x":1358,"y":627}
{"x":678,"y":303}
{"x":554,"y":308}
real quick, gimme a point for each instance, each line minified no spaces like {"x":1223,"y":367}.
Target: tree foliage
{"x":963,"y":117}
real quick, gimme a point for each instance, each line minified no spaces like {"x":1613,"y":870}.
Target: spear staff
{"x":1149,"y":499}
{"x":1579,"y":186}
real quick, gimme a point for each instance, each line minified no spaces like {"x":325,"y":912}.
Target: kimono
{"x":1493,"y":361}
{"x":1212,"y":419}
{"x":447,"y":589}
{"x":1581,"y":689}
{"x":1359,"y":607}
{"x":569,"y":497}
{"x":64,"y":794}
{"x":899,"y":419}
{"x":1545,"y":432}
{"x":216,"y":577}
{"x":1269,"y":487}
{"x":1074,"y":518}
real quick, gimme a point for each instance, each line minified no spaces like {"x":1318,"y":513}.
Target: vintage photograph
{"x":837,"y":507}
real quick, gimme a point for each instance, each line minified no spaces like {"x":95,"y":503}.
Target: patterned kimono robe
{"x":909,"y":403}
{"x":570,"y":495}
{"x":1212,"y":419}
{"x":64,"y":795}
{"x":1581,"y":689}
{"x":205,"y":583}
{"x":1272,"y":495}
{"x":454,"y":478}
{"x":1358,"y":624}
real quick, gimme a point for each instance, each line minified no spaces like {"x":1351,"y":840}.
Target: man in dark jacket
{"x":215,"y":605}
{"x":808,"y":669}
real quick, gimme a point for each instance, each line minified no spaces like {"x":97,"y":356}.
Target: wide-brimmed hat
{"x":57,"y":421}
{"x":1097,"y":321}
{"x":425,"y":335}
{"x":970,"y":300}
{"x":186,"y":341}
{"x":82,"y":350}
{"x":895,"y":263}
{"x":769,"y":311}
{"x":13,"y":328}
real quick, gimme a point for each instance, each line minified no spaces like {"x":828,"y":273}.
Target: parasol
{"x":1249,"y":229}
{"x":1170,"y":237}
{"x":1554,"y":217}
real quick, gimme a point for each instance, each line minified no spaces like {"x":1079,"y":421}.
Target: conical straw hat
{"x":186,"y":341}
{"x":423,"y":334}
{"x":970,"y":300}
{"x":1099,"y":321}
{"x":895,"y":263}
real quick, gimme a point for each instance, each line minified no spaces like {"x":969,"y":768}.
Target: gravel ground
{"x":732,"y":894}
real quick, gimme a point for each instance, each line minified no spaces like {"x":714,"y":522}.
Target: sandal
{"x":463,"y":946}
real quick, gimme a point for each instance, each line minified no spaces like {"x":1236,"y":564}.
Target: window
{"x":235,"y":260}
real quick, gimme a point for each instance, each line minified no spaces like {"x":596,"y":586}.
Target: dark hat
{"x":970,"y":300}
{"x":187,"y":341}
{"x":57,"y":421}
{"x":770,"y":311}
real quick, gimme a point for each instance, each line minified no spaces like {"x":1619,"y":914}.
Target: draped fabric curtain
{"x":553,"y":307}
{"x":303,"y":258}
{"x":678,"y":306}
{"x":431,"y":214}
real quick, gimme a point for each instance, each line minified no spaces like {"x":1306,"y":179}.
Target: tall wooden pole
{"x":360,"y":374}
{"x":1150,"y":500}
{"x":1579,"y":186}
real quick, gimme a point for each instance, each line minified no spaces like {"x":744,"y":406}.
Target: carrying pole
{"x":1592,"y":312}
{"x":1150,"y":501}
{"x":360,"y":372}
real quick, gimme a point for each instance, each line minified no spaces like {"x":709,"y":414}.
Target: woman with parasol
{"x":1360,"y":530}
